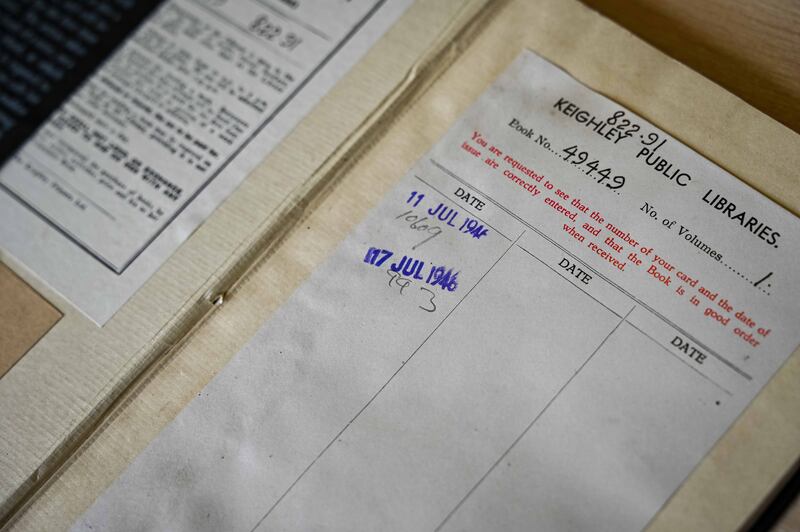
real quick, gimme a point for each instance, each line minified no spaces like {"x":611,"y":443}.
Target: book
{"x":155,"y":357}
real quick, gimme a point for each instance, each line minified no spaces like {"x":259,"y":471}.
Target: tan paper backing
{"x":57,"y":394}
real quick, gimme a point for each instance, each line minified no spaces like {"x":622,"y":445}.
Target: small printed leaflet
{"x":164,"y":130}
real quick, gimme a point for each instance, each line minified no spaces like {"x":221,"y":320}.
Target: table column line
{"x":615,"y":313}
{"x":659,"y":344}
{"x":681,"y":360}
{"x":632,"y":297}
{"x":385,"y":384}
{"x":459,"y":206}
{"x":530,"y":425}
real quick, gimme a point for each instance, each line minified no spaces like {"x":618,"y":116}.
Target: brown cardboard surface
{"x":746,"y":464}
{"x":25,"y":316}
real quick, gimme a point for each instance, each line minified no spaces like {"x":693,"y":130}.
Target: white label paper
{"x":545,"y":326}
{"x":131,"y":164}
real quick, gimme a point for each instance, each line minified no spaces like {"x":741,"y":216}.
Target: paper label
{"x":546,"y":325}
{"x":150,"y":144}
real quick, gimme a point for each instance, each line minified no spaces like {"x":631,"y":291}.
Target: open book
{"x":431,"y":265}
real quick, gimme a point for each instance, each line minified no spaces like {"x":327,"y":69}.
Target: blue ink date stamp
{"x":449,"y":216}
{"x":411,"y":268}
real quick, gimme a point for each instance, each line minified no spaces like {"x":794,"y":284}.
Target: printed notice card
{"x":546,"y":325}
{"x":159,"y":136}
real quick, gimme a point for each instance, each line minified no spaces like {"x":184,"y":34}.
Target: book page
{"x":159,"y":136}
{"x":559,"y":302}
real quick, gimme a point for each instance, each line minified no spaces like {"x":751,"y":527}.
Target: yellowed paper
{"x":747,"y":463}
{"x":515,"y":326}
{"x":55,"y":395}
